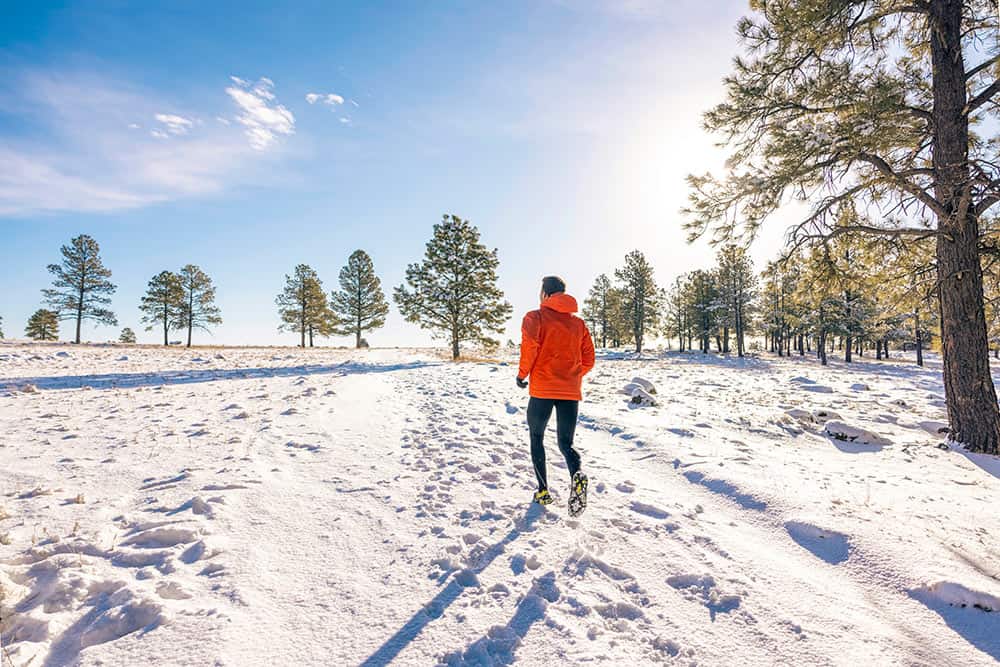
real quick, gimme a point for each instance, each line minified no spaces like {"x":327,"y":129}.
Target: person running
{"x":556,"y":352}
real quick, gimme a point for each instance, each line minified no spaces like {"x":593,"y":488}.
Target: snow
{"x":261,"y":506}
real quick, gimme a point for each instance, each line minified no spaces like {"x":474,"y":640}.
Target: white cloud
{"x":30,"y":184}
{"x":260,"y":114}
{"x":356,"y":105}
{"x":330,"y":99}
{"x":174,"y":124}
{"x":92,"y":157}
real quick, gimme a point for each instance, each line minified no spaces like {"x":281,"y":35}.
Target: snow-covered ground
{"x":324,"y":507}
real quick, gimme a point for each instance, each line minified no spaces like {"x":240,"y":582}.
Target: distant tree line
{"x":627,"y":311}
{"x":452,"y":292}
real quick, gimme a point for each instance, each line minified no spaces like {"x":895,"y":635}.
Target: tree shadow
{"x":193,"y":376}
{"x":986,"y":462}
{"x":447,"y":595}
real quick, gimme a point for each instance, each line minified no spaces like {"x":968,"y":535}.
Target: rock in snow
{"x":838,"y":430}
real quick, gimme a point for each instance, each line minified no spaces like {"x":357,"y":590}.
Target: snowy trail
{"x":275,"y":511}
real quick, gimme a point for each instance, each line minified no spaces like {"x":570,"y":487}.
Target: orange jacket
{"x":556,"y":349}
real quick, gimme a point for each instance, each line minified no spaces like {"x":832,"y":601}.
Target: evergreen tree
{"x":43,"y":325}
{"x":677,"y":323}
{"x":640,"y":295}
{"x":619,"y":327}
{"x":1,"y":327}
{"x":873,"y":102}
{"x":303,"y":306}
{"x":163,"y":303}
{"x":702,"y":307}
{"x":81,"y":289}
{"x":197,"y":308}
{"x":453,"y":291}
{"x":737,"y":291}
{"x":360,"y":304}
{"x":598,"y":309}
{"x":127,"y":336}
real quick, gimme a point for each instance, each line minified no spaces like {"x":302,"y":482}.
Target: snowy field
{"x":323,"y":507}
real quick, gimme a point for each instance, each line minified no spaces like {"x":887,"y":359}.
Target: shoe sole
{"x":578,"y":496}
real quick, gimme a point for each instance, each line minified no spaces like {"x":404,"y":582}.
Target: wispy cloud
{"x":90,"y":156}
{"x":174,"y":124}
{"x":330,"y":99}
{"x":260,"y":114}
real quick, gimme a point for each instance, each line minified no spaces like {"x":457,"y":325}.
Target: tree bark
{"x":973,"y":416}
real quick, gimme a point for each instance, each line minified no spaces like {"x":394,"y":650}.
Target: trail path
{"x":376,"y":512}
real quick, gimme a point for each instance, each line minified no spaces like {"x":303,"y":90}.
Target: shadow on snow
{"x":980,"y":628}
{"x":133,"y":380}
{"x":447,"y":595}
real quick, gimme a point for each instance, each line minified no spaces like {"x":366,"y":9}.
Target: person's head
{"x":552,"y":285}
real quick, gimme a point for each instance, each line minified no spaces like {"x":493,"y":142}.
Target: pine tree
{"x":737,"y":291}
{"x":872,"y":102}
{"x":598,"y":309}
{"x":197,"y":308}
{"x":81,"y":288}
{"x":127,"y":336}
{"x":303,"y":306}
{"x":676,"y":323}
{"x":163,"y":303}
{"x":619,"y":327}
{"x":43,"y":325}
{"x":641,"y":296}
{"x":360,"y":304}
{"x":1,"y":327}
{"x":453,"y":291}
{"x":703,"y":311}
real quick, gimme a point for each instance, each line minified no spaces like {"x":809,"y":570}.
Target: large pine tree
{"x":43,"y":325}
{"x":359,"y":305}
{"x":303,"y":306}
{"x":454,"y":292}
{"x":871,"y":103}
{"x":197,"y":308}
{"x":81,"y":288}
{"x":640,"y":296}
{"x":163,"y":302}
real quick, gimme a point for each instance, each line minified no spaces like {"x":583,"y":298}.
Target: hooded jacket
{"x":556,"y":349}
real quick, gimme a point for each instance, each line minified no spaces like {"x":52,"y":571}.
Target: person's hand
{"x":523,"y":384}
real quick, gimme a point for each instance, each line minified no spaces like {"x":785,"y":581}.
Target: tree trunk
{"x":190,"y":316}
{"x":454,"y":347}
{"x":973,"y":415}
{"x":79,"y":315}
{"x":166,"y":324}
{"x":848,"y":349}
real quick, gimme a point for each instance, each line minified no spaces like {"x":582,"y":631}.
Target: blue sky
{"x":247,"y":139}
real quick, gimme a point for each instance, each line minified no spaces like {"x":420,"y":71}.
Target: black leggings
{"x":539,"y":412}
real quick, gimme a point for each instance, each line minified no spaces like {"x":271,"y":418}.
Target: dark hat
{"x":553,"y":285}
